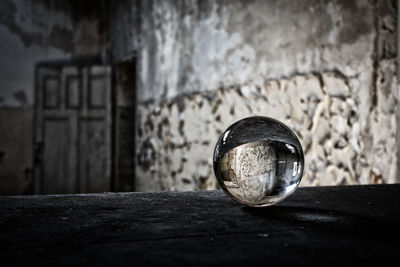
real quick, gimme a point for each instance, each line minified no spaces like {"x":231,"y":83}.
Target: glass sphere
{"x":258,"y":161}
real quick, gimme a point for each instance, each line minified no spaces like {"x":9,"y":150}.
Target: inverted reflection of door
{"x":73,"y":124}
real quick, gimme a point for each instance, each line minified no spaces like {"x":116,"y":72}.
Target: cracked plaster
{"x":327,"y":70}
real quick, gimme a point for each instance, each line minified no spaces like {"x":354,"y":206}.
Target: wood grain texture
{"x":314,"y":226}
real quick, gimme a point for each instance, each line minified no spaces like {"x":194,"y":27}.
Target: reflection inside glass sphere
{"x":258,"y":161}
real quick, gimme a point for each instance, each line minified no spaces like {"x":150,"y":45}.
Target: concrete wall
{"x":325,"y":68}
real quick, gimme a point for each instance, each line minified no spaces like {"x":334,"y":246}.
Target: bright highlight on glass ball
{"x":258,"y":161}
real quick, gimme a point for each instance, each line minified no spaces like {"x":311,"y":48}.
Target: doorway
{"x":125,"y":124}
{"x":73,"y":128}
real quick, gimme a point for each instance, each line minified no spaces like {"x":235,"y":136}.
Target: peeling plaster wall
{"x":189,"y":46}
{"x":27,"y":35}
{"x":34,"y":31}
{"x":124,"y":29}
{"x":325,"y":68}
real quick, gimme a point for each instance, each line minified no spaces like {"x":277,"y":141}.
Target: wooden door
{"x":73,"y":129}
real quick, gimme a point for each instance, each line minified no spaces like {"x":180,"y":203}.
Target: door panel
{"x":73,"y":126}
{"x":51,"y":92}
{"x":93,"y":155}
{"x":56,"y":175}
{"x":73,"y":89}
{"x":97,"y":94}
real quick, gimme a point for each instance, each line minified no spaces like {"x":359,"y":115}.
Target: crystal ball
{"x":258,"y":161}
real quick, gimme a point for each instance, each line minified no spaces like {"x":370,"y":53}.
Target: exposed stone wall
{"x":328,"y":72}
{"x":177,"y":138}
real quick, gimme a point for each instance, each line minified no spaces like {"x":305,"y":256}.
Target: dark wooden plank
{"x":315,"y":226}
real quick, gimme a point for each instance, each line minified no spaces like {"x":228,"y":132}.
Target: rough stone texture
{"x":176,"y":146}
{"x":328,"y":73}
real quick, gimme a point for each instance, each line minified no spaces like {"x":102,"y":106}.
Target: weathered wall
{"x":15,"y":157}
{"x":325,"y":68}
{"x":124,"y":21}
{"x":123,"y":39}
{"x":31,"y":32}
{"x":34,"y":31}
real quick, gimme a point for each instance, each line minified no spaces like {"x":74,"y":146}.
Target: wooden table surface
{"x":314,"y":226}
